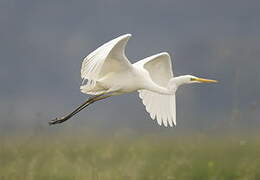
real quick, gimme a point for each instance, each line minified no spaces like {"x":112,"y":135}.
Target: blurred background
{"x":42,"y":44}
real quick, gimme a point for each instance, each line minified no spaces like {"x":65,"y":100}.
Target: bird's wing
{"x":161,"y":107}
{"x":110,"y":57}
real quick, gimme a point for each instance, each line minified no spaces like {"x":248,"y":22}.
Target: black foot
{"x":56,"y":121}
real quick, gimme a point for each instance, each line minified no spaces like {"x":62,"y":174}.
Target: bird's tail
{"x":92,"y":87}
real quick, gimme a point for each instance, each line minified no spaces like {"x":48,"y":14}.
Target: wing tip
{"x":128,"y":35}
{"x":125,"y":36}
{"x":171,"y":124}
{"x":164,"y":54}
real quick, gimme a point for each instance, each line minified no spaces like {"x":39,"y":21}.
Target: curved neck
{"x":159,"y":89}
{"x":179,"y":80}
{"x":172,"y":86}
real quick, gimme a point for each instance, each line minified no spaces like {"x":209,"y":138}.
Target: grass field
{"x":121,"y":158}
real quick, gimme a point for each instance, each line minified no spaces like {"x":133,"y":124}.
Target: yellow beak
{"x":206,"y":80}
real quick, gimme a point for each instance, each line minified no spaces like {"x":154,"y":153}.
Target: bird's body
{"x":107,"y":71}
{"x":129,"y":80}
{"x":120,"y":82}
{"x":114,"y":73}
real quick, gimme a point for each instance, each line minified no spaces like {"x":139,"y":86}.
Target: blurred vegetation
{"x":119,"y":157}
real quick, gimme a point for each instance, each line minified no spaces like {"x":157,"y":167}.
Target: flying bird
{"x":107,"y":72}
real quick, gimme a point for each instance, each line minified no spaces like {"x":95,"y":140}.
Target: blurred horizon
{"x":43,"y":44}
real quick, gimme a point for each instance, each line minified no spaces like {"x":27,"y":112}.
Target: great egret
{"x":107,"y":72}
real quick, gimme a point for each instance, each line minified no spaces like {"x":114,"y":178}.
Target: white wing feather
{"x":161,"y":107}
{"x":110,"y":57}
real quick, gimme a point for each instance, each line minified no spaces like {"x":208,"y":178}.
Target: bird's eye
{"x":192,"y":79}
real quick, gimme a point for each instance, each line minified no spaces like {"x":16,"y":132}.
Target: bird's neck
{"x":172,"y":86}
{"x":158,"y":89}
{"x":178,"y":81}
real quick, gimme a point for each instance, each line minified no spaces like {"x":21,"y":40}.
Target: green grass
{"x":142,"y":158}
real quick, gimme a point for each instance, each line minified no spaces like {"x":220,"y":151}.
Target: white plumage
{"x":107,"y":72}
{"x":110,"y":57}
{"x":160,"y":106}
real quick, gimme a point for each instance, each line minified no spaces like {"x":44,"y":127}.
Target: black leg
{"x":78,"y":109}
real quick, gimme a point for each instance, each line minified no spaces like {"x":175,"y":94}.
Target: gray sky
{"x":42,"y":44}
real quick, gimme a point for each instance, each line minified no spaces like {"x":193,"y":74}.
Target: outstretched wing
{"x":161,"y":107}
{"x":110,"y":57}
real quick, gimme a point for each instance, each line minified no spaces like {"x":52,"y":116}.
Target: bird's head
{"x":188,"y":79}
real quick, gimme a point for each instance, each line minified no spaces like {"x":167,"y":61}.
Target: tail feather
{"x":93,"y":88}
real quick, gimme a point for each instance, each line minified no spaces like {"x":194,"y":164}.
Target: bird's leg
{"x":79,"y":108}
